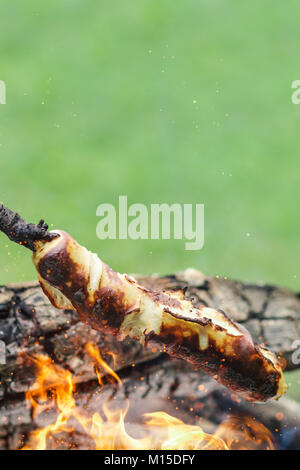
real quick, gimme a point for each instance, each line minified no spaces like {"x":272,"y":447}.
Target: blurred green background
{"x":165,"y":101}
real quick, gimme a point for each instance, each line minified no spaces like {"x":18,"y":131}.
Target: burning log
{"x":71,"y":276}
{"x":30,"y":325}
{"x":176,"y":388}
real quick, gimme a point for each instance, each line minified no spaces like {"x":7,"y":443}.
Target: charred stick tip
{"x":22,"y":232}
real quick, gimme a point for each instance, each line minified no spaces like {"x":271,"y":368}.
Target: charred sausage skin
{"x":73,"y":277}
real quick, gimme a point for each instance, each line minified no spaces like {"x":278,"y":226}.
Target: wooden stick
{"x":22,"y":232}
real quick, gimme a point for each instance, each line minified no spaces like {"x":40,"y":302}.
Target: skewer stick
{"x":22,"y":232}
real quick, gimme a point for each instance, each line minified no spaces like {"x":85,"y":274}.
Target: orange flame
{"x":106,"y":430}
{"x":244,"y":433}
{"x":95,"y":354}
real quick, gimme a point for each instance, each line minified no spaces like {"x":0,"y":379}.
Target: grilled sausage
{"x":73,"y":277}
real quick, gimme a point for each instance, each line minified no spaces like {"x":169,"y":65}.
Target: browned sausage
{"x":73,"y":277}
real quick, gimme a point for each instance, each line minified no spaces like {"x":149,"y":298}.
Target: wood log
{"x":30,"y":325}
{"x":161,"y":384}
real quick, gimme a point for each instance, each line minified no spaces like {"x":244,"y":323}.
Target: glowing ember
{"x":106,"y":429}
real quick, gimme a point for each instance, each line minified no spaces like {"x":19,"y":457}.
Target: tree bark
{"x":160,"y":384}
{"x":29,"y":325}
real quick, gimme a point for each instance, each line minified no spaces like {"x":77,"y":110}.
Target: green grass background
{"x":165,"y":101}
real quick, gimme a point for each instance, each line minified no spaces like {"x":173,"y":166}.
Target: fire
{"x":95,"y":354}
{"x":107,"y":428}
{"x":242,"y":433}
